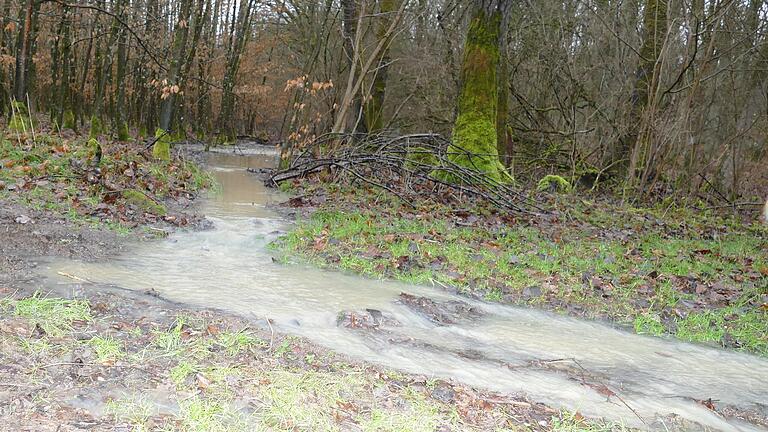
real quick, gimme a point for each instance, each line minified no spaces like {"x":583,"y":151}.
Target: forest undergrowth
{"x":96,"y":181}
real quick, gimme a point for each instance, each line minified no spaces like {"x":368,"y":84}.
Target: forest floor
{"x":694,"y":275}
{"x":103,"y":358}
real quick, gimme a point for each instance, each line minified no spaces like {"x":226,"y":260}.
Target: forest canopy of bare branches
{"x":657,"y":95}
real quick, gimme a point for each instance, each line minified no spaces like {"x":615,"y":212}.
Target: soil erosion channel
{"x":574,"y":364}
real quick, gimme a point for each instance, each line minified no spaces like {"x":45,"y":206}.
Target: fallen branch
{"x":398,"y":164}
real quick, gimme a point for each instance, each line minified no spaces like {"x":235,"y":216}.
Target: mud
{"x":45,"y":234}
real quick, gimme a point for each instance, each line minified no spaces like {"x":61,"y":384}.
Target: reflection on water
{"x":230,"y":267}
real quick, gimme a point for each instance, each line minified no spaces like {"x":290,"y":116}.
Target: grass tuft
{"x":54,"y":316}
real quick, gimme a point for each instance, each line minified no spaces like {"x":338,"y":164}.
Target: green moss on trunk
{"x":69,"y":120}
{"x":96,"y":128}
{"x":122,"y":131}
{"x":20,"y":120}
{"x":162,"y":148}
{"x":474,"y":133}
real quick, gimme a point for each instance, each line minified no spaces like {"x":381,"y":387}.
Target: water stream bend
{"x":508,"y":349}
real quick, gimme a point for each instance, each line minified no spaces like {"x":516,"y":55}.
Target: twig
{"x":79,"y":279}
{"x":272,"y":337}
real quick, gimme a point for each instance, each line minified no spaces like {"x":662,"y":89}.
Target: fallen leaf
{"x":202,"y":381}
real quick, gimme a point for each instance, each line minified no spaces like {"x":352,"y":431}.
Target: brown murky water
{"x":579,"y":365}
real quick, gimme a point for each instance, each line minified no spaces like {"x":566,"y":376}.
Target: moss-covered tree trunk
{"x":22,"y":53}
{"x":474,"y":133}
{"x":503,"y":131}
{"x":5,"y":19}
{"x":121,"y":117}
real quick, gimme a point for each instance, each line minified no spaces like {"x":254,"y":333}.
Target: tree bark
{"x":22,"y":53}
{"x":474,"y":140}
{"x":655,"y":28}
{"x":374,"y":104}
{"x":162,"y":147}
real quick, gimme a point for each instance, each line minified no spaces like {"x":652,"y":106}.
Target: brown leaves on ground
{"x":62,"y":176}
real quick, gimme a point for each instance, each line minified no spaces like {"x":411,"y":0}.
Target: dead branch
{"x":396,"y":163}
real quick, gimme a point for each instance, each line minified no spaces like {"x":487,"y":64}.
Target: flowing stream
{"x":644,"y":382}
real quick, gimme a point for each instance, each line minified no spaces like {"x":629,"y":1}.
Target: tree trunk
{"x":121,"y":120}
{"x":374,"y":104}
{"x":178,"y":54}
{"x":161,"y":148}
{"x":503,"y":131}
{"x":5,"y":93}
{"x":239,"y":36}
{"x":350,"y":12}
{"x":474,"y":141}
{"x":646,"y":79}
{"x":22,"y":53}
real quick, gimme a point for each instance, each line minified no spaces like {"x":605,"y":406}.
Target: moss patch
{"x":162,"y":148}
{"x":554,"y":183}
{"x":96,"y":127}
{"x":69,"y":120}
{"x":143,"y":202}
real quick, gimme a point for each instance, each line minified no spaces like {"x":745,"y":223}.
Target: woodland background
{"x":663,"y":96}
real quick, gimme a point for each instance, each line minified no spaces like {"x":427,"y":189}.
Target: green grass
{"x":237,"y":342}
{"x":107,"y":349}
{"x":418,"y":415}
{"x":574,"y":422}
{"x":649,"y":324}
{"x":65,"y":191}
{"x":304,"y":400}
{"x":170,"y":340}
{"x":223,"y":381}
{"x":54,"y":316}
{"x":182,"y":371}
{"x":571,"y":265}
{"x":135,"y":411}
{"x":210,"y":415}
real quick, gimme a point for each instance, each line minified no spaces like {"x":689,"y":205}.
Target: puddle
{"x":565,"y":362}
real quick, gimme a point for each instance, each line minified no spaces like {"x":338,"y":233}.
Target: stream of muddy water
{"x":644,"y":382}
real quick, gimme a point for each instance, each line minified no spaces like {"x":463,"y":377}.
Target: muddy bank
{"x":27,"y":234}
{"x":115,"y":360}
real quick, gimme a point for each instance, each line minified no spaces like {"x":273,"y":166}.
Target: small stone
{"x":444,"y":393}
{"x":532,"y":291}
{"x":23,"y":219}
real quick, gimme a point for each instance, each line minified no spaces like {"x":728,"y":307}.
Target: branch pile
{"x":403,"y":165}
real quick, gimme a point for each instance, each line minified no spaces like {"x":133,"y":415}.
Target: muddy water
{"x":644,"y":382}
